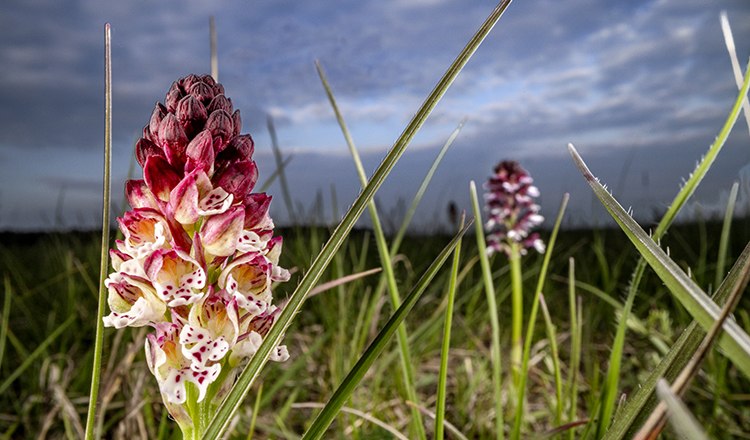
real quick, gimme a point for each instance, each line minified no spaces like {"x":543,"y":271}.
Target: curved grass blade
{"x":275,"y":174}
{"x":407,"y":365}
{"x":104,"y":258}
{"x":227,"y":409}
{"x":735,"y":342}
{"x":521,"y":392}
{"x":552,"y":336}
{"x":280,"y":169}
{"x":489,"y":291}
{"x":444,"y":351}
{"x":344,"y":391}
{"x":729,"y":40}
{"x":422,"y":189}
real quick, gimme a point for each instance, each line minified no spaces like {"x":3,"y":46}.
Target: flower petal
{"x":160,"y":177}
{"x":177,"y":278}
{"x":220,"y":233}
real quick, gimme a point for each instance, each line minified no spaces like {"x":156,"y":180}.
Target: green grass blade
{"x":6,"y":317}
{"x":422,"y":189}
{"x":104,"y":258}
{"x":254,"y":415}
{"x":721,"y":260}
{"x":679,"y":415}
{"x":280,"y":170}
{"x":407,"y":365}
{"x":552,"y":336}
{"x":227,"y":409}
{"x":655,"y":422}
{"x":735,"y":342}
{"x":36,"y":353}
{"x":269,"y":181}
{"x":445,"y":349}
{"x":521,"y":391}
{"x":736,"y":69}
{"x":344,"y":391}
{"x":611,"y":383}
{"x":575,"y":347}
{"x":489,"y":291}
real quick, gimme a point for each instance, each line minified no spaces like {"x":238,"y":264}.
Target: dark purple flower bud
{"x":173,"y":97}
{"x":237,"y":121}
{"x":191,"y":114}
{"x":144,"y":148}
{"x":220,"y":102}
{"x":156,"y":116}
{"x":221,"y":126}
{"x":173,"y":140}
{"x":238,"y":178}
{"x":200,"y":153}
{"x":202,"y":91}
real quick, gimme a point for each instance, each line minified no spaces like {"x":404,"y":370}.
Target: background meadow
{"x":595,"y":339}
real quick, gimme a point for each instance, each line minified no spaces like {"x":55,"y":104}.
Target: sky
{"x":641,"y":88}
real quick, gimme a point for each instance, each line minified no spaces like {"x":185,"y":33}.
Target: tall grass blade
{"x":399,"y":237}
{"x":736,"y":343}
{"x":682,"y":420}
{"x":280,"y":170}
{"x":344,"y":391}
{"x":227,"y":409}
{"x":269,"y":181}
{"x":552,"y":336}
{"x":104,"y":258}
{"x":721,"y":260}
{"x":521,"y":391}
{"x":407,"y":368}
{"x":575,"y":347}
{"x":214,"y":51}
{"x":489,"y":291}
{"x":5,"y":317}
{"x":445,"y":349}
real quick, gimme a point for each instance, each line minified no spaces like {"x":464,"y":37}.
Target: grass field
{"x":45,"y":370}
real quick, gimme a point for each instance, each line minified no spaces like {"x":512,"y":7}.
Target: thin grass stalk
{"x":521,"y":388}
{"x":6,"y":316}
{"x":489,"y":291}
{"x":552,"y":336}
{"x":230,"y":404}
{"x":407,"y":365}
{"x":445,"y":349}
{"x":104,"y":257}
{"x":575,"y":348}
{"x":655,"y":422}
{"x":399,"y":237}
{"x":280,"y":169}
{"x":516,"y":283}
{"x":721,"y":260}
{"x":254,"y":414}
{"x":269,"y":181}
{"x":344,"y":391}
{"x":214,"y":51}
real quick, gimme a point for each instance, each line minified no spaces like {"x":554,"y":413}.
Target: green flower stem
{"x":517,"y":307}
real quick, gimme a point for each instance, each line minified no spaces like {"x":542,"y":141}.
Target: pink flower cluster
{"x":198,"y":256}
{"x":509,"y":200}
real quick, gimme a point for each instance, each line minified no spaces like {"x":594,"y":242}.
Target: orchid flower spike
{"x":512,"y":213}
{"x":198,"y":256}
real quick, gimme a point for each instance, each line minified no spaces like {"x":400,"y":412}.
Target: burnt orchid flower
{"x":509,"y":201}
{"x":198,"y":257}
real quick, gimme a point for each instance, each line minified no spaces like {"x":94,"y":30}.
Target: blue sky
{"x":641,"y":87}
